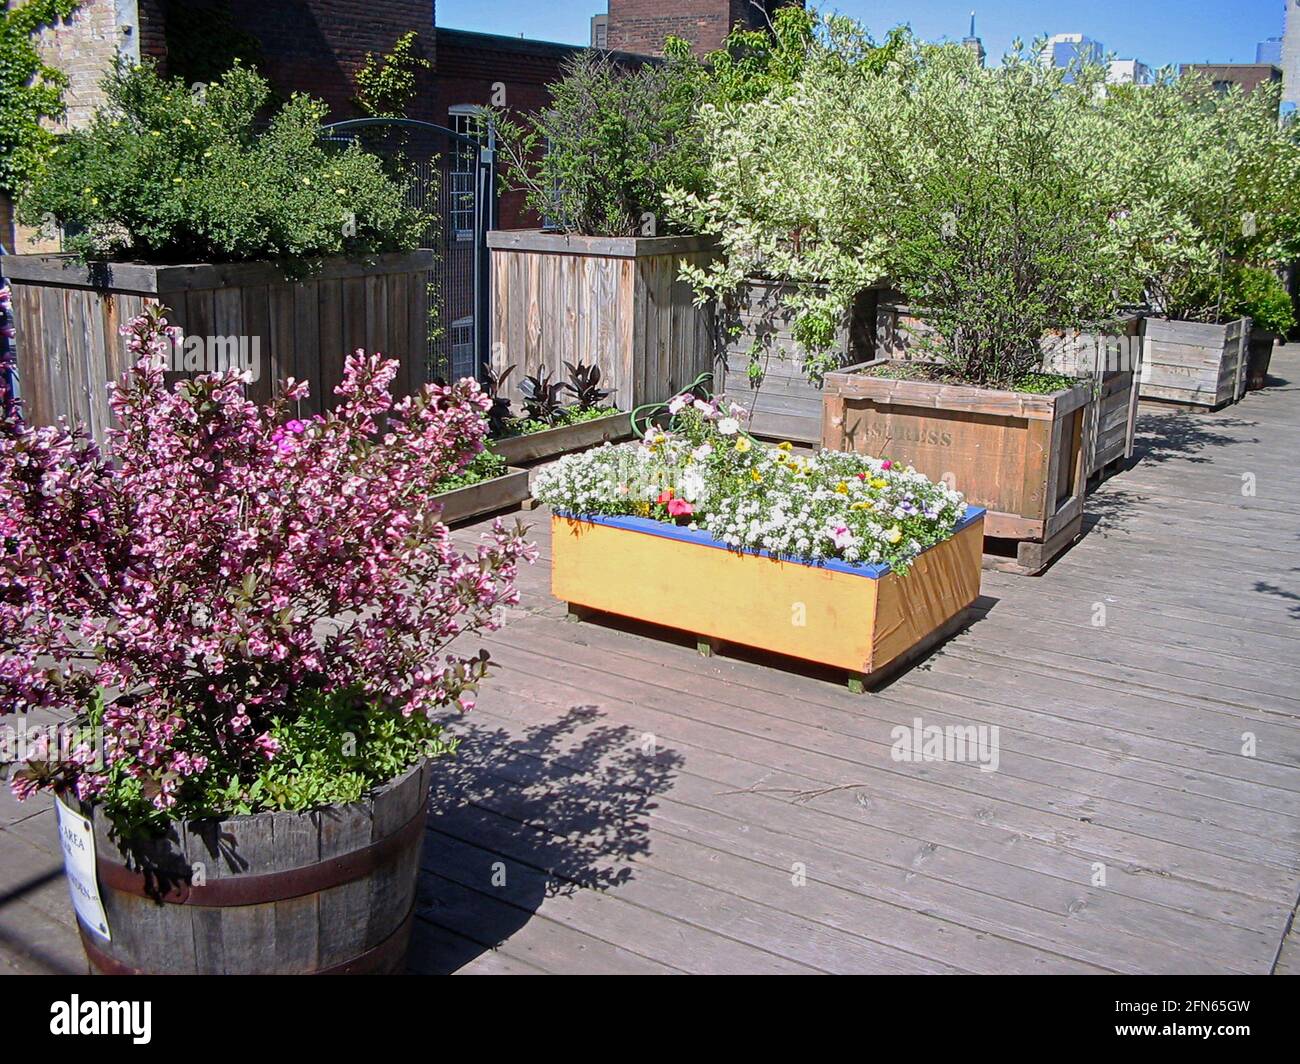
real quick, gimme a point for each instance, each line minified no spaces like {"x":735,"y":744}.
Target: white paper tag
{"x":78,"y":841}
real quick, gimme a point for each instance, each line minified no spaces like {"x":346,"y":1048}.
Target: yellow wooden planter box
{"x":865,"y":619}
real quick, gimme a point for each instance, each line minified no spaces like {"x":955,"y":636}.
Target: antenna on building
{"x":972,"y":23}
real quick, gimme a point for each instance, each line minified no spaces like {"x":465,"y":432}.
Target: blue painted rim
{"x":706,"y":539}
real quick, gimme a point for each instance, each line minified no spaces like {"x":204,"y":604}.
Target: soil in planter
{"x":934,"y":373}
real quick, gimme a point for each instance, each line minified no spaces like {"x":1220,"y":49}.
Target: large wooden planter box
{"x":1110,"y":362}
{"x":1201,"y":365}
{"x":67,"y":317}
{"x":326,"y":892}
{"x":861,"y":618}
{"x":785,"y":404}
{"x":1016,"y":454}
{"x":485,"y":497}
{"x":551,"y":443}
{"x":616,"y":302}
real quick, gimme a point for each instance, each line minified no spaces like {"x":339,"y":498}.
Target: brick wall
{"x":641,"y":25}
{"x":83,"y":48}
{"x":315,"y":46}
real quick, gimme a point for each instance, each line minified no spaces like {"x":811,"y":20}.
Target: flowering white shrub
{"x":705,"y":473}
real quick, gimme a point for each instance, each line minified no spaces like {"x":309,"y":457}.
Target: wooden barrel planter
{"x":67,"y":317}
{"x":1195,"y":364}
{"x":784,"y":403}
{"x":325,"y":892}
{"x":1019,"y":455}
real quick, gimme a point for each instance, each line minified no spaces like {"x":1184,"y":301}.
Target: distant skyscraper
{"x":1063,"y":49}
{"x":1269,"y":51}
{"x":973,"y":43}
{"x":1291,"y":55}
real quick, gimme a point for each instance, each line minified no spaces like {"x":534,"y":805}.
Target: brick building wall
{"x":1247,"y":75}
{"x":641,"y":25}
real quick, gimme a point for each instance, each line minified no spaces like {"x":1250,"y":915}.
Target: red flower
{"x":664,"y":496}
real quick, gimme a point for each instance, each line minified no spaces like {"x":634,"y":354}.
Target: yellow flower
{"x":94,"y":201}
{"x":743,"y":444}
{"x":880,"y":482}
{"x":842,"y":488}
{"x":786,"y":446}
{"x":866,"y":505}
{"x":306,"y":180}
{"x":154,"y":133}
{"x":755,"y":476}
{"x":894,"y":534}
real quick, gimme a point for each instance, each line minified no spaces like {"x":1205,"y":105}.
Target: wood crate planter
{"x":864,"y":619}
{"x":551,"y":443}
{"x":1110,"y":360}
{"x":1261,"y":355}
{"x":67,"y":317}
{"x":615,"y":302}
{"x":1018,"y":455}
{"x":331,"y":891}
{"x":785,"y":404}
{"x":486,"y":497}
{"x":1111,"y":363}
{"x":1195,"y":364}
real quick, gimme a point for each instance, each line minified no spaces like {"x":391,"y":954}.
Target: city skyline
{"x":1157,"y":32}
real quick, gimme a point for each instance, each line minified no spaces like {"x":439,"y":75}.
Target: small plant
{"x":386,"y":85}
{"x":542,"y":397}
{"x":1263,"y":297}
{"x":584,"y":383}
{"x":499,"y":414}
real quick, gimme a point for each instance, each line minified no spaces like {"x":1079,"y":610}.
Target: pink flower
{"x":679,"y":508}
{"x":311,"y":560}
{"x":842,"y":537}
{"x":886,"y":464}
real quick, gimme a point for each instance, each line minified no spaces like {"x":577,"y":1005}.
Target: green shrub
{"x":1263,"y":297}
{"x":599,"y":160}
{"x":163,"y":174}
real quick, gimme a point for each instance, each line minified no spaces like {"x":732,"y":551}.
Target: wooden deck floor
{"x":622,"y":804}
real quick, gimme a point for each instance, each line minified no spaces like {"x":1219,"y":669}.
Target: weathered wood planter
{"x":485,"y":497}
{"x":1017,"y":454}
{"x":67,"y":317}
{"x":1261,"y":355}
{"x":864,"y":619}
{"x":615,"y":302}
{"x":1201,"y":365}
{"x":551,"y":443}
{"x":331,"y":891}
{"x":1110,"y":362}
{"x":785,"y":404}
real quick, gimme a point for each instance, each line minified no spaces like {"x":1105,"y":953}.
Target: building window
{"x":462,"y":170}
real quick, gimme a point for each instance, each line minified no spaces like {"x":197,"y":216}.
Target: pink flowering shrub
{"x":225,"y":567}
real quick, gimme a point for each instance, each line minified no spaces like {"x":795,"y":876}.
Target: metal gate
{"x":448,"y":176}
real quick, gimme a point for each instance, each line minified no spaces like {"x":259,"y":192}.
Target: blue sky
{"x":1155,"y":31}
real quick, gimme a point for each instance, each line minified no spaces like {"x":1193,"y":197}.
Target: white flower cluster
{"x":750,"y":496}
